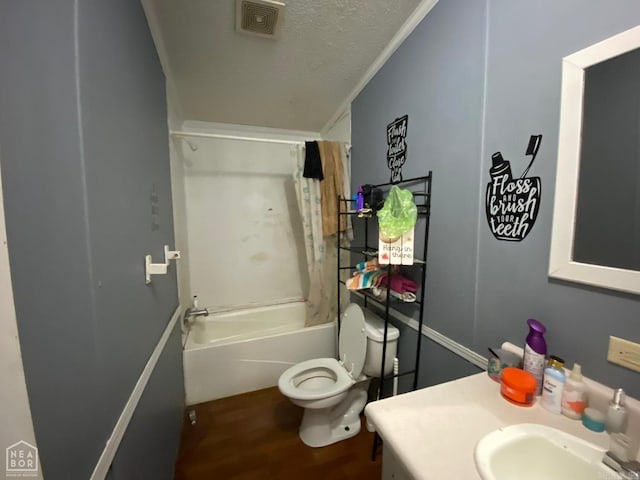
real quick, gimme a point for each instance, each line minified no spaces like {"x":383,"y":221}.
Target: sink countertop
{"x":433,"y":431}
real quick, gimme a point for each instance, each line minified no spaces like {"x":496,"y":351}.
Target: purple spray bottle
{"x":535,"y":352}
{"x":359,"y":199}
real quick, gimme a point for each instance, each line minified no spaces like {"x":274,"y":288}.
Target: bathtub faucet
{"x":193,"y":311}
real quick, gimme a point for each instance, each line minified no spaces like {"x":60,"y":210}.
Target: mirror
{"x":596,"y":222}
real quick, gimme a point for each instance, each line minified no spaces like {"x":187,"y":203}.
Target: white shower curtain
{"x":321,"y":251}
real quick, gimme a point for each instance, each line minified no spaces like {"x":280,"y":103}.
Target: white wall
{"x":17,"y":424}
{"x":241,"y":230}
{"x":340,"y":130}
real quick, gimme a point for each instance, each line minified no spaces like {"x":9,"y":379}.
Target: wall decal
{"x":397,"y":147}
{"x":512,"y":205}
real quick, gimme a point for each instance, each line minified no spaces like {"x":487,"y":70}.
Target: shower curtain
{"x":321,"y":250}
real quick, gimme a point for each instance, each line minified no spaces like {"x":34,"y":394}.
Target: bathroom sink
{"x":529,"y":451}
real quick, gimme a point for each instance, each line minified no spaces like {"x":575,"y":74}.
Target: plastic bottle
{"x":535,"y":351}
{"x":575,"y":394}
{"x":616,"y":420}
{"x":359,"y":199}
{"x":553,"y":385}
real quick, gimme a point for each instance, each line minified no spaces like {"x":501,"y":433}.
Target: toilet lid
{"x":352,"y":341}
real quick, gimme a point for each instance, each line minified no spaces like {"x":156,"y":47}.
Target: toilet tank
{"x":375,"y":335}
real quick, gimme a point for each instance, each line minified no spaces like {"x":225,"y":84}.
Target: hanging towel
{"x":312,"y":162}
{"x":331,"y":187}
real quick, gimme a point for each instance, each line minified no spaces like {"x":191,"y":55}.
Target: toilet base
{"x":324,"y":426}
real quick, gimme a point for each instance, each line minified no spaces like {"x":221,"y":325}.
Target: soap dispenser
{"x":616,"y":420}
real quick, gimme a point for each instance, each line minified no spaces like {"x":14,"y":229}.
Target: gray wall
{"x":148,"y":448}
{"x":478,"y":77}
{"x":84,"y":144}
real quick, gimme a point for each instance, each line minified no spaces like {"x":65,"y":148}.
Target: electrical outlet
{"x":624,"y":353}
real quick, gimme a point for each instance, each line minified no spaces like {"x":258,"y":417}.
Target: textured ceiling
{"x":297,"y":82}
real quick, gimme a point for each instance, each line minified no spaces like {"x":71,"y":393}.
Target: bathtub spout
{"x":193,"y":312}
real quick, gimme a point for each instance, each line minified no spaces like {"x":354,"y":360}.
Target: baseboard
{"x":104,"y":462}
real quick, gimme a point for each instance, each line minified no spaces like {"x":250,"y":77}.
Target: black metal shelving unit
{"x":421,"y":189}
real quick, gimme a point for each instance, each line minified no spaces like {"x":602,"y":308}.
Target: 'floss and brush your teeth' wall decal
{"x":512,"y":204}
{"x":397,"y":147}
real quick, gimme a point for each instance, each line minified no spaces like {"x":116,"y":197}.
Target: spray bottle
{"x":359,"y":199}
{"x":535,"y":352}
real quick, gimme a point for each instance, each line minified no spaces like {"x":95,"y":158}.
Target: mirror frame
{"x":561,"y":264}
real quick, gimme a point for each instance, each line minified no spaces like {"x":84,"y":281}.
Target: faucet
{"x":628,"y":470}
{"x":193,"y":311}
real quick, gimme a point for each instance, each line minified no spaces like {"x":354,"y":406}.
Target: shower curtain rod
{"x":234,"y":137}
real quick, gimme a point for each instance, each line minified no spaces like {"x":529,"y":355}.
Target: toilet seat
{"x":352,"y":341}
{"x":325,"y":377}
{"x":292,"y":381}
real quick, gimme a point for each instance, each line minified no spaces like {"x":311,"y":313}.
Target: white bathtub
{"x":244,"y":350}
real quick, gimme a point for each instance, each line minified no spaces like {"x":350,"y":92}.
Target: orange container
{"x":518,"y":386}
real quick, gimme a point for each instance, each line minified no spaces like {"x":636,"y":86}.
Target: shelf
{"x":355,"y":212}
{"x":374,"y":253}
{"x":367,"y":252}
{"x":422,"y":210}
{"x":420,"y":187}
{"x":365,"y":293}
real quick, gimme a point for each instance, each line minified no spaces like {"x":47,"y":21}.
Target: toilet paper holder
{"x":151,"y":268}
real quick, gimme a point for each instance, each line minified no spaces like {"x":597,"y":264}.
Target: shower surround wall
{"x":243,"y":230}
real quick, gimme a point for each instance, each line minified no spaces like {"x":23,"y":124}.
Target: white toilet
{"x":334,"y":392}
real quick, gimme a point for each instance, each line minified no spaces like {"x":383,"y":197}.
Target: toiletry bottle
{"x":359,"y":199}
{"x":535,"y":351}
{"x":553,"y":385}
{"x":616,"y":420}
{"x":575,"y":394}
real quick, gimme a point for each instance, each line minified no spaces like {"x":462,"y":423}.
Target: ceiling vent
{"x":262,"y":18}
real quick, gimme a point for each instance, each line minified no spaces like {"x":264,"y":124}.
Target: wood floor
{"x":255,"y":436}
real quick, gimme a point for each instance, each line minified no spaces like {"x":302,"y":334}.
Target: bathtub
{"x":244,"y":350}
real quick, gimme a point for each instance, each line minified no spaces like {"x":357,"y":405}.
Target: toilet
{"x":334,"y":392}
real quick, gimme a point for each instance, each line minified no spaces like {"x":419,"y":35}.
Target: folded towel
{"x":368,"y":266}
{"x":363,"y":280}
{"x":400,"y":283}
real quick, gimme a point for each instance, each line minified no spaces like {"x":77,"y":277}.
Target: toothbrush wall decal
{"x":397,"y":147}
{"x":512,"y":204}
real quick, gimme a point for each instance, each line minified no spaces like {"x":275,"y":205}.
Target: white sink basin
{"x":529,"y":451}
